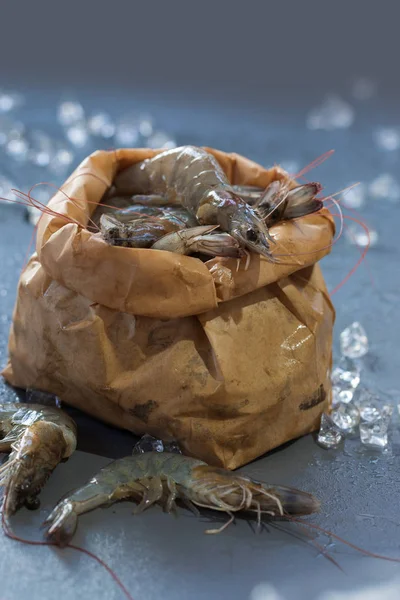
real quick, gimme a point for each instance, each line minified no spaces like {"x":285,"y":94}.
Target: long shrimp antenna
{"x":314,"y":164}
{"x":10,"y":534}
{"x":311,"y":541}
{"x":343,"y":541}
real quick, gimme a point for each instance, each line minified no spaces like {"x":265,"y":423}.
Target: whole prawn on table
{"x":38,"y":438}
{"x":186,"y":187}
{"x":165,"y":478}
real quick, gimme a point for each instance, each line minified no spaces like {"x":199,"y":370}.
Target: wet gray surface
{"x":158,"y":556}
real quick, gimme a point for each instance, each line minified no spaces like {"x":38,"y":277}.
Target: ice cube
{"x":78,"y":134}
{"x":148,"y":443}
{"x":34,"y":396}
{"x":10,"y":101}
{"x":100,"y":124}
{"x":6,"y":185}
{"x":334,"y":113}
{"x":41,"y":148}
{"x":346,"y":417}
{"x":341,"y":395}
{"x":387,"y":138}
{"x":329,"y":435}
{"x":354,"y":341}
{"x":10,"y":130}
{"x":127,"y":131}
{"x":385,"y":187}
{"x":70,"y":112}
{"x":18,"y":148}
{"x":62,"y":159}
{"x":374,"y":434}
{"x":160,"y":139}
{"x":146,"y":125}
{"x":358,"y":236}
{"x":355,"y":196}
{"x":346,"y":373}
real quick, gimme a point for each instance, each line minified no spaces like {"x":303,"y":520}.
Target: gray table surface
{"x":158,"y":556}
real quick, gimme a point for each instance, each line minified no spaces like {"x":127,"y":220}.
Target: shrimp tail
{"x":301,"y":201}
{"x":216,"y":488}
{"x":62,"y":521}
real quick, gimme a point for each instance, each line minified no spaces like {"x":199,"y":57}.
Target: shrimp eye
{"x":251,"y":235}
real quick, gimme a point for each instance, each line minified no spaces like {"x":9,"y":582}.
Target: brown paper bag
{"x":227,"y":361}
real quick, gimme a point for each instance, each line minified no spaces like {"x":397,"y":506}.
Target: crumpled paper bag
{"x":227,"y":360}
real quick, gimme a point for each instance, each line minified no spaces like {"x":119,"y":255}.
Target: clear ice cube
{"x":374,"y":434}
{"x":334,"y":113}
{"x":78,"y":134}
{"x":100,"y":124}
{"x":346,"y":417}
{"x":358,"y":236}
{"x":146,"y":125}
{"x":341,"y":395}
{"x":127,"y":132}
{"x":70,"y":112}
{"x":346,"y":373}
{"x":354,"y":341}
{"x":6,"y":185}
{"x":355,"y":196}
{"x":329,"y":436}
{"x":61,"y":160}
{"x":41,"y":148}
{"x":160,"y":139}
{"x":387,"y":138}
{"x":10,"y":129}
{"x":34,"y":396}
{"x":148,"y":443}
{"x":18,"y":149}
{"x":10,"y":101}
{"x":385,"y":187}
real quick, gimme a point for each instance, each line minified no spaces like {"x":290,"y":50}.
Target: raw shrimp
{"x":136,"y":233}
{"x":201,"y":240}
{"x":155,"y":477}
{"x":38,"y":438}
{"x":193,"y":178}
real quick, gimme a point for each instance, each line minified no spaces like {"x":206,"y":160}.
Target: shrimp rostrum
{"x":165,"y":478}
{"x":38,"y":439}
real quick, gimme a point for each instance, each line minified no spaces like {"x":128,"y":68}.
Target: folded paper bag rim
{"x":155,"y":283}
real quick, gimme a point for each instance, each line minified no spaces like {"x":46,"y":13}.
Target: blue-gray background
{"x":240,"y":77}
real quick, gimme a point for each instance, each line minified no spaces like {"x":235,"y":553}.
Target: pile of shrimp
{"x":181,"y":201}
